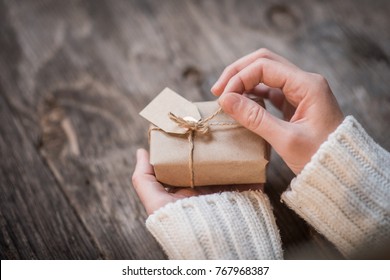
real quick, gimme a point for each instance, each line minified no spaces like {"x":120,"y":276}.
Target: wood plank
{"x":86,"y":146}
{"x":36,"y":220}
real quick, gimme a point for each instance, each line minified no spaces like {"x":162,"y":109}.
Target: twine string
{"x":192,"y":127}
{"x":202,"y":126}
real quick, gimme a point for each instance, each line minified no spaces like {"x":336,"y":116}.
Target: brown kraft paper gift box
{"x":226,"y":154}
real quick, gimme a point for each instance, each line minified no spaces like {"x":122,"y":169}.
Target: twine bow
{"x":201,"y":126}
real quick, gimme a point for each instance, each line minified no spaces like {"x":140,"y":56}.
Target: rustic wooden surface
{"x":74,"y":75}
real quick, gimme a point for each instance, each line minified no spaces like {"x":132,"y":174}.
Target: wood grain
{"x":36,"y":220}
{"x":74,"y":75}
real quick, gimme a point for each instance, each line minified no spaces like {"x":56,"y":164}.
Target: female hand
{"x":310,"y":109}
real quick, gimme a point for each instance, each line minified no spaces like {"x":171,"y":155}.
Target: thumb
{"x":253,"y":116}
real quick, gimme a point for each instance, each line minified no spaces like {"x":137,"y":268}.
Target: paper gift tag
{"x":169,"y":101}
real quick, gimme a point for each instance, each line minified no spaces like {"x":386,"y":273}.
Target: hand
{"x":310,"y":109}
{"x":154,"y":195}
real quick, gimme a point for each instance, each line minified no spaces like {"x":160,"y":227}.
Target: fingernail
{"x":214,"y":88}
{"x":229,"y":102}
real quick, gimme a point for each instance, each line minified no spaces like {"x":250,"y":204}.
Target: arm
{"x":228,"y":225}
{"x":200,"y":224}
{"x":342,"y":186}
{"x":344,"y":192}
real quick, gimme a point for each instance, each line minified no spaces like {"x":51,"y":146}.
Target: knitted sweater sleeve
{"x":344,"y":191}
{"x":229,"y":225}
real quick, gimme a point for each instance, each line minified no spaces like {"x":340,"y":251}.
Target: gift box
{"x":197,"y":144}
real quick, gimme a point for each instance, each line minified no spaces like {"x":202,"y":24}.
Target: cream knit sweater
{"x":343,"y":192}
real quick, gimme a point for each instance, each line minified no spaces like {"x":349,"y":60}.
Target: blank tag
{"x":168,"y":101}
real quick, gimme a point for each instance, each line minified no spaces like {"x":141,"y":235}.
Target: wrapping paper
{"x":226,"y":154}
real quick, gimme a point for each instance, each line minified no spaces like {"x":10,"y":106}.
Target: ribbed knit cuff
{"x":228,"y":225}
{"x":344,"y":191}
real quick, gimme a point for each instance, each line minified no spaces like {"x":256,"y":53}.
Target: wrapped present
{"x":197,"y":144}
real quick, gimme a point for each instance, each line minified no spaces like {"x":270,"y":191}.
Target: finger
{"x":243,"y":62}
{"x":273,"y":74}
{"x":143,"y":166}
{"x":277,"y":99}
{"x":260,"y":90}
{"x":274,"y":95}
{"x":144,"y":180}
{"x":186,"y":192}
{"x":253,"y":116}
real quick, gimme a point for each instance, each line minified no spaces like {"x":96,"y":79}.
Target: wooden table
{"x":74,"y":75}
